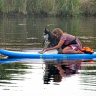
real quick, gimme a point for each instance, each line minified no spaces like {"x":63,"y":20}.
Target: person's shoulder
{"x":65,"y":34}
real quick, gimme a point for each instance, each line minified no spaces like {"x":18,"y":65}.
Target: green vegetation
{"x":48,"y":7}
{"x":88,"y":7}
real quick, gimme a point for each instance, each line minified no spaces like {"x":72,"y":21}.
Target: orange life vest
{"x":87,"y":50}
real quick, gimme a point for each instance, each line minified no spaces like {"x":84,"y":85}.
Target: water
{"x":20,"y":33}
{"x":21,"y":77}
{"x":47,"y":77}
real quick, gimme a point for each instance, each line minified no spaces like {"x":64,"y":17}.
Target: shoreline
{"x":62,"y":8}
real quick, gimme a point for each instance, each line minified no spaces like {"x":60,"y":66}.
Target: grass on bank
{"x":49,"y":7}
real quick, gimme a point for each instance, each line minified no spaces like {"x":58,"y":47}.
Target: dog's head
{"x":46,"y":34}
{"x":49,"y":37}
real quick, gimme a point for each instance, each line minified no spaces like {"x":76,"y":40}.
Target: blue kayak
{"x":15,"y":54}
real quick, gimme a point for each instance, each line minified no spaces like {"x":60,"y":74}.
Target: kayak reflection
{"x":55,"y":71}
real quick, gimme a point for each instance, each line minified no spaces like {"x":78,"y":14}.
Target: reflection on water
{"x":10,"y":72}
{"x":21,"y":75}
{"x":88,"y":76}
{"x":57,"y":70}
{"x":19,"y":33}
{"x":59,"y":77}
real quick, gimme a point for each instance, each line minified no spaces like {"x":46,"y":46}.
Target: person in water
{"x":69,"y":43}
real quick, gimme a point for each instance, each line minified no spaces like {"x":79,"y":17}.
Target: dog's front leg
{"x":42,"y":51}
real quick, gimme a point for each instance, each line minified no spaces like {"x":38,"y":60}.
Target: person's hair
{"x":58,"y":32}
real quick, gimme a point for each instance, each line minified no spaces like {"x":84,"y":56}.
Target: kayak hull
{"x":14,"y":54}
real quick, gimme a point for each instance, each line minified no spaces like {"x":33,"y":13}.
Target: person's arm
{"x":61,"y":42}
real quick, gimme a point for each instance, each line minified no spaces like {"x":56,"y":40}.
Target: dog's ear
{"x":46,"y":30}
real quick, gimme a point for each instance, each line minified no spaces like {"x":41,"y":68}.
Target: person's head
{"x":57,"y":32}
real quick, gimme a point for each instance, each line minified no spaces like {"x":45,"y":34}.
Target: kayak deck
{"x":14,"y":54}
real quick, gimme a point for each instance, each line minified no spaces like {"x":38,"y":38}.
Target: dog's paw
{"x":41,"y":52}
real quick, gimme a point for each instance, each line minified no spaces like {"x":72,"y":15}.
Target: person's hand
{"x":47,"y":49}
